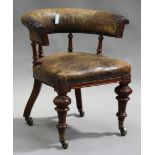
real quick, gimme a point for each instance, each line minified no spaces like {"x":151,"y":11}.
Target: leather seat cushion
{"x":77,"y":67}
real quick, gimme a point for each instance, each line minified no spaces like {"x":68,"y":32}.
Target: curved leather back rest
{"x":41,"y":22}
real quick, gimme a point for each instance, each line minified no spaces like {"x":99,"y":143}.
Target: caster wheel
{"x":123,"y":131}
{"x":64,"y":143}
{"x":29,"y":121}
{"x":81,"y":113}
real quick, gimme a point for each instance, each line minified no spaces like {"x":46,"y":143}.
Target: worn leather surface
{"x":41,"y":22}
{"x":77,"y":67}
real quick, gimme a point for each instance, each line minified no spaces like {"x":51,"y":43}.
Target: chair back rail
{"x":72,"y":20}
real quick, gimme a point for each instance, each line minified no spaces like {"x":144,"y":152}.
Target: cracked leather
{"x":41,"y":23}
{"x":77,"y":67}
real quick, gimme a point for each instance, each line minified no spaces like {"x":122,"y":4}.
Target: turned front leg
{"x":62,"y":101}
{"x":123,"y":91}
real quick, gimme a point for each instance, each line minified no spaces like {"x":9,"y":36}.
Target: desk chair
{"x":74,"y":70}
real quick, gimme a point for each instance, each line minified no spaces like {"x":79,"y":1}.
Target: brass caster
{"x":123,"y":131}
{"x":81,"y":113}
{"x":64,"y":143}
{"x":29,"y":121}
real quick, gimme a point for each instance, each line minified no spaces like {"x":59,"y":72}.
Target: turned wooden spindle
{"x":40,"y":51}
{"x":70,"y":44}
{"x":35,"y":56}
{"x":99,"y":48}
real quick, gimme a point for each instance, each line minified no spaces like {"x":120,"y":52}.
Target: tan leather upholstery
{"x":76,"y":67}
{"x":41,"y":22}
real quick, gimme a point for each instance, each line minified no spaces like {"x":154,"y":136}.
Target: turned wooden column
{"x":62,"y":101}
{"x":70,"y":44}
{"x":40,"y":51}
{"x":99,"y":48}
{"x":123,"y":91}
{"x":35,"y":54}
